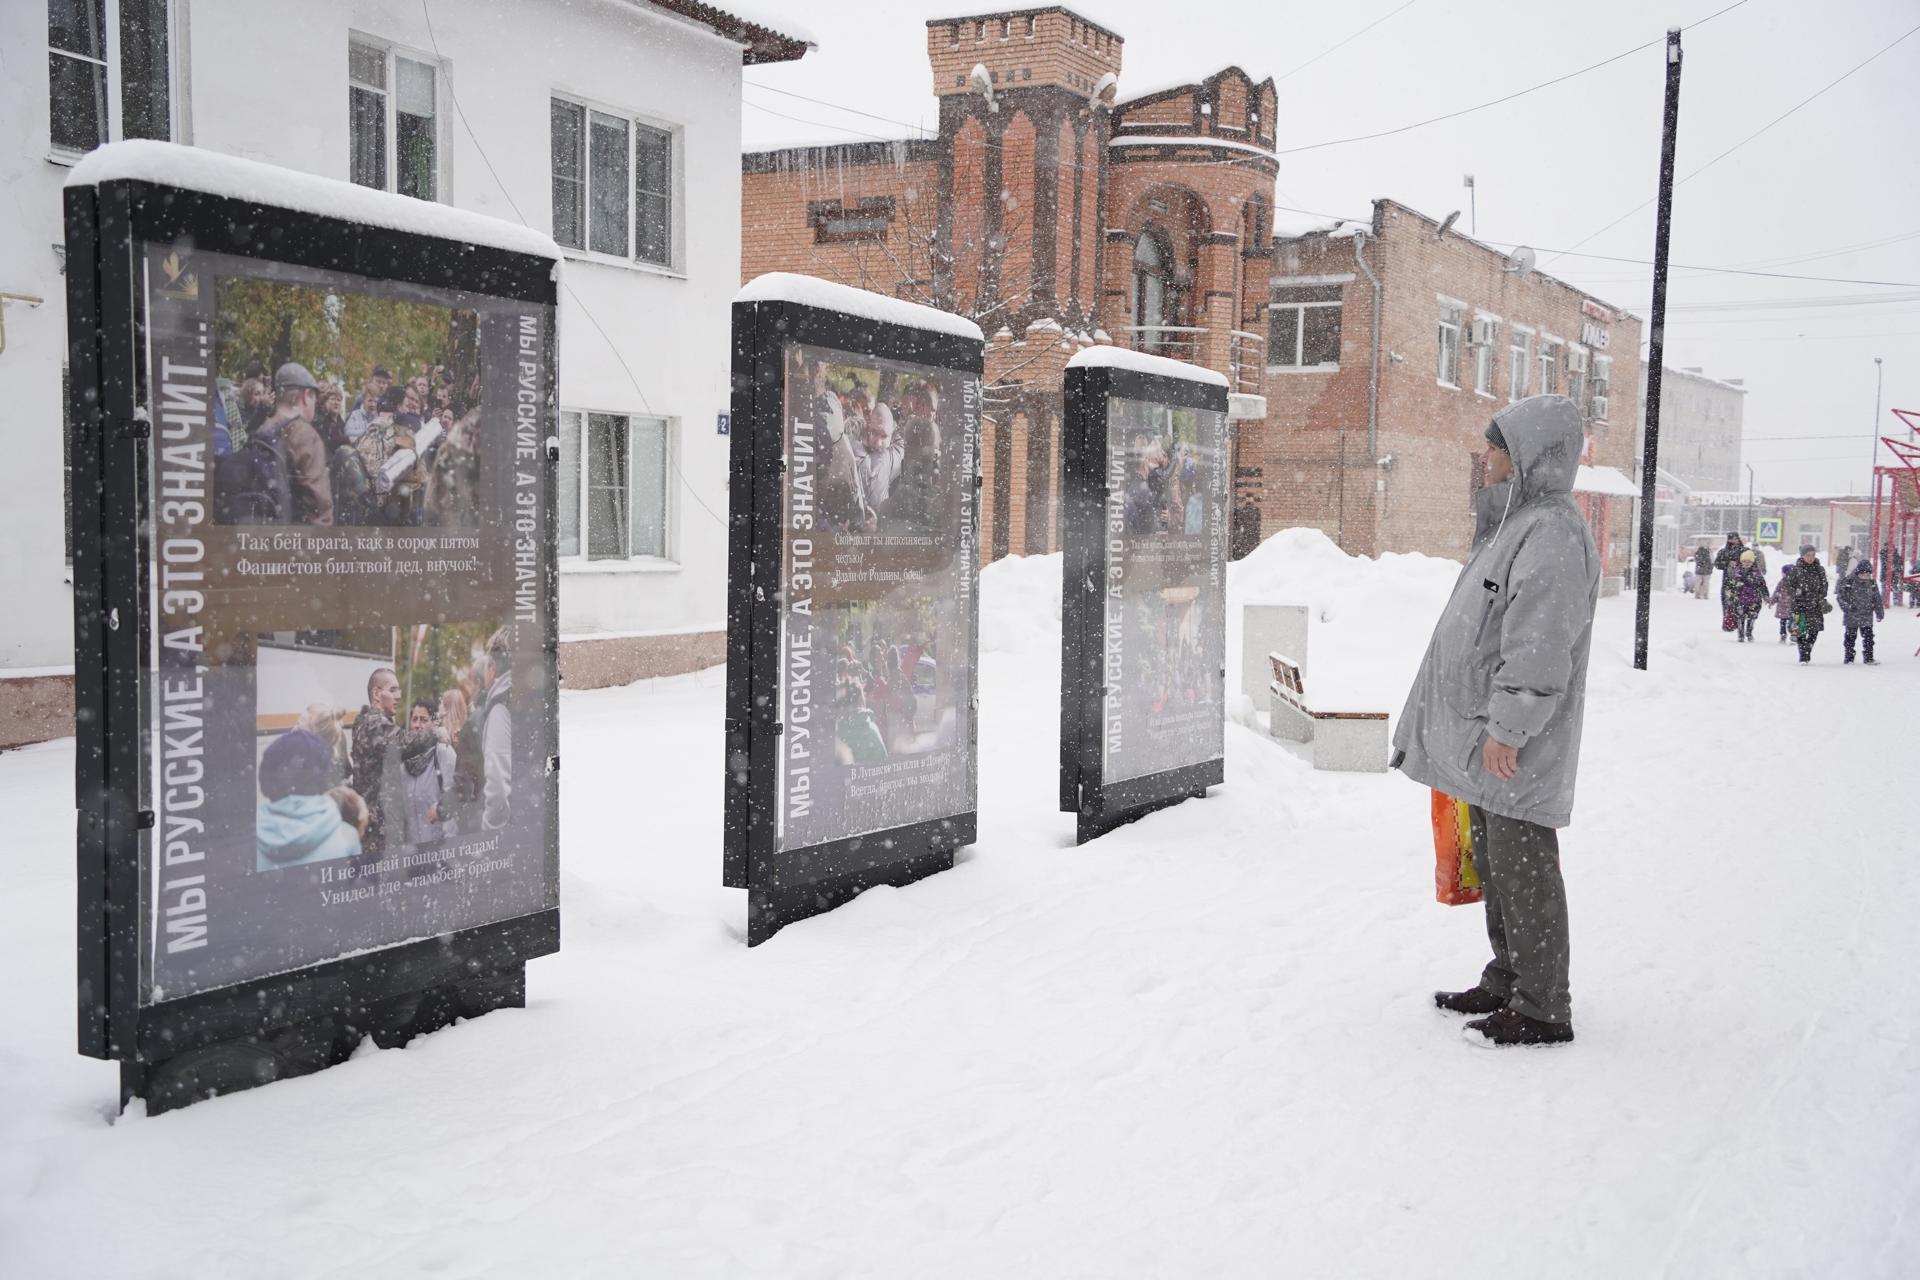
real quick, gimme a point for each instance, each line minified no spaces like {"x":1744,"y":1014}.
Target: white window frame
{"x":1520,"y":357}
{"x":1602,"y":376}
{"x":1485,"y":365}
{"x":442,"y":173}
{"x":676,"y":177}
{"x":179,"y":117}
{"x":1453,"y":319}
{"x":581,"y":561}
{"x":1577,"y":394}
{"x":1550,"y":358}
{"x":1300,"y":324}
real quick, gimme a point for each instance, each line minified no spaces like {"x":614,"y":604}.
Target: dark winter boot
{"x":1511,"y":1027}
{"x":1474,"y":1000}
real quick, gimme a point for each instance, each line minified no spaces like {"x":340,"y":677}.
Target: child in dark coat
{"x":1782,"y":600}
{"x":1860,"y":607}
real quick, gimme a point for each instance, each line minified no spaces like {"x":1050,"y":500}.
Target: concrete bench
{"x":1343,"y":741}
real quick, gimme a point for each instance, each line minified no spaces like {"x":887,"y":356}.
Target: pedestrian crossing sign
{"x":1767,"y":531}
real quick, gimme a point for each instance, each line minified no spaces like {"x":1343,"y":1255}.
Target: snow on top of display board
{"x":197,"y":169}
{"x":811,"y":291}
{"x":1142,"y":362}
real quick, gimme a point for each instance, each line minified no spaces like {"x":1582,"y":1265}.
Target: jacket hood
{"x":291,"y":828}
{"x":1544,"y":435}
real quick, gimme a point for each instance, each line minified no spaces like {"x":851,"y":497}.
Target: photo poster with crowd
{"x":868,"y":483}
{"x":346,"y":681}
{"x":1144,"y":635}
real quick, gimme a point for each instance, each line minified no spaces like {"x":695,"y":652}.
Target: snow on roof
{"x":1606,"y":480}
{"x":1191,"y":140}
{"x":811,"y":291}
{"x":1141,"y":362}
{"x":198,"y":169}
{"x":1293,"y":227}
{"x":778,"y":21}
{"x":1695,"y":375}
{"x":1740,"y":498}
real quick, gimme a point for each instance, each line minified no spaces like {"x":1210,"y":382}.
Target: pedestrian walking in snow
{"x":1782,"y":599}
{"x":1807,"y":584}
{"x":1702,"y":571}
{"x":1494,"y":717}
{"x":1860,"y":608}
{"x":1727,"y":561}
{"x":1750,"y":594}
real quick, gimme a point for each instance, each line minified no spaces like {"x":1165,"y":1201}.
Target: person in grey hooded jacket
{"x":1494,"y":716}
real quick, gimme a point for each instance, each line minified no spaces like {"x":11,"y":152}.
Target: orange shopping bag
{"x":1455,"y":879}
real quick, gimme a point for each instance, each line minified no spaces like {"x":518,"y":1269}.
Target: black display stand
{"x":1090,"y":548}
{"x":791,"y":884}
{"x":177,"y":1051}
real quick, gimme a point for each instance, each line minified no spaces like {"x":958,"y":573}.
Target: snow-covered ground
{"x":1199,"y":1046}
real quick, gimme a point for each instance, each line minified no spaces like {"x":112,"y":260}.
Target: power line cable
{"x":1750,"y":137}
{"x":1521,"y":93}
{"x":1344,"y":43}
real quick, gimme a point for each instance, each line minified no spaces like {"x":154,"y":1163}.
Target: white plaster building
{"x":613,"y":124}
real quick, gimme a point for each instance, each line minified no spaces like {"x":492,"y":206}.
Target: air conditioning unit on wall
{"x":1600,"y":408}
{"x":1483,"y":331}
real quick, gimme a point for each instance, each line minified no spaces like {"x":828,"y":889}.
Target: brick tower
{"x":1020,"y":175}
{"x":1024,"y":97}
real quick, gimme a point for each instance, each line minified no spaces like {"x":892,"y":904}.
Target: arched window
{"x":1149,"y":291}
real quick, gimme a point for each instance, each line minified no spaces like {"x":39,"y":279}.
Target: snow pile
{"x":1368,"y":620}
{"x":1020,"y":606}
{"x":197,"y":169}
{"x":828,"y":295}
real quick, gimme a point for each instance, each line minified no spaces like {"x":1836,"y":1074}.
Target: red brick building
{"x":1377,"y":435}
{"x":1057,"y":212}
{"x":1051,"y":213}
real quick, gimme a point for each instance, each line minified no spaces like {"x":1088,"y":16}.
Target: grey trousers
{"x":1526,"y":901}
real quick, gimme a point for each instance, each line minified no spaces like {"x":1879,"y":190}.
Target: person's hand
{"x":1499,"y":759}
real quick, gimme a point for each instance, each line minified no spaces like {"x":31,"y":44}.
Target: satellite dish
{"x":980,"y":81}
{"x":1447,"y":225}
{"x":1520,"y":261}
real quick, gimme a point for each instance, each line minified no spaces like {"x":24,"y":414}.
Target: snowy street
{"x":1202,"y":1045}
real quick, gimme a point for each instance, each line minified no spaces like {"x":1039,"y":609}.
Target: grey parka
{"x":1509,"y":654}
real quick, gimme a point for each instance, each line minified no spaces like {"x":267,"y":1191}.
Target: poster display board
{"x":314,"y":615}
{"x":853,"y":610}
{"x":1145,"y":516}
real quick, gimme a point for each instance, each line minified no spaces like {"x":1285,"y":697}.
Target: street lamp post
{"x":1753,"y":525}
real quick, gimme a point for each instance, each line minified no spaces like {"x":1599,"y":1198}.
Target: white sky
{"x":1554,"y":166}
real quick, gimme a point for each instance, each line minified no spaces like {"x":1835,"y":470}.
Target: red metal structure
{"x":1896,"y":502}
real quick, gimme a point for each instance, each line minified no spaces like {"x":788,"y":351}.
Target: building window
{"x":613,"y":184}
{"x":393,"y":120}
{"x":1522,"y":371}
{"x":1577,"y":374}
{"x":1149,"y":288}
{"x":1602,"y":386}
{"x":1303,"y":327}
{"x":1030,"y":26}
{"x":614,"y":472}
{"x":77,"y":73}
{"x":953,"y":35}
{"x":1549,"y":366}
{"x":837,"y":222}
{"x":1486,"y":335}
{"x":79,"y":117}
{"x":1447,"y":369}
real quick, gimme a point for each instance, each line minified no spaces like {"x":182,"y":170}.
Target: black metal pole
{"x":1656,"y":353}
